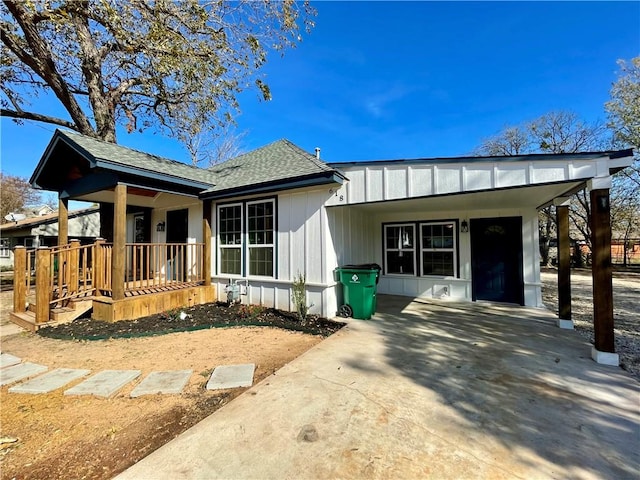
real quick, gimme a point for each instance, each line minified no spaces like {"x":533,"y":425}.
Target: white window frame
{"x":261,"y":245}
{"x":239,"y":246}
{"x":387,"y":248}
{"x":5,"y":248}
{"x":453,"y":249}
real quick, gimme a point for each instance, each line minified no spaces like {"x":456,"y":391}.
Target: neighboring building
{"x":37,"y":210}
{"x":41,"y":230}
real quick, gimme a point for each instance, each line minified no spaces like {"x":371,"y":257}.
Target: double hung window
{"x":438,"y":249}
{"x":400,"y":251}
{"x":4,"y":248}
{"x":260,"y":232}
{"x":433,"y":251}
{"x":246,"y":233}
{"x":230,"y":243}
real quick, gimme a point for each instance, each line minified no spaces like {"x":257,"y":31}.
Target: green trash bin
{"x":359,"y":285}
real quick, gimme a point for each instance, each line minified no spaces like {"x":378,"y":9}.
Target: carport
{"x":467,"y":228}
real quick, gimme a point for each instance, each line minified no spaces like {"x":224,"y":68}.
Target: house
{"x":37,"y":210}
{"x":460,"y":228}
{"x":41,"y":230}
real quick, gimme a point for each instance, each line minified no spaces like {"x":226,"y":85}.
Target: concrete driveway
{"x":425,"y":390}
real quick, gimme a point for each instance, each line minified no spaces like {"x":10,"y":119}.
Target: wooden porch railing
{"x":57,"y":275}
{"x":153,"y":265}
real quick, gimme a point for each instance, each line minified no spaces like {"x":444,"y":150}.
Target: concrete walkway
{"x":425,"y":390}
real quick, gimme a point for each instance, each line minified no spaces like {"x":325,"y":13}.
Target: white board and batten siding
{"x":393,"y":181}
{"x":303,"y":246}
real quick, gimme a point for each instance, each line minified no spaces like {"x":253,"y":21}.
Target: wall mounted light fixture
{"x":160,"y":227}
{"x":464,"y":226}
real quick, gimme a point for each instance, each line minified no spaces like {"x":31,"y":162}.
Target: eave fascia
{"x":324,"y":178}
{"x":161,"y":177}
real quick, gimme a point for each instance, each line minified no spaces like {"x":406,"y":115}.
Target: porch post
{"x":119,"y":241}
{"x":74,"y":266}
{"x":63,"y":221}
{"x":564,"y":265}
{"x":20,"y":272}
{"x":206,"y":239}
{"x":603,"y":351}
{"x":43,"y":285}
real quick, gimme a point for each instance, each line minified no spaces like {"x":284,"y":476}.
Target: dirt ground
{"x":85,"y":437}
{"x":626,"y":310}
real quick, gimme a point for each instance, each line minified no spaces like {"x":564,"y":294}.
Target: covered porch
{"x":155,"y":250}
{"x":467,"y":228}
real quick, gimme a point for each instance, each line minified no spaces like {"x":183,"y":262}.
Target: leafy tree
{"x":140,"y":63}
{"x":15,"y":194}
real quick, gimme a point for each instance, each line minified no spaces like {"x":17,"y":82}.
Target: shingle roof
{"x":117,"y":154}
{"x":278,"y":161}
{"x":48,"y":218}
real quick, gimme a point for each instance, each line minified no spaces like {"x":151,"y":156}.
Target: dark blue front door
{"x":496,"y":259}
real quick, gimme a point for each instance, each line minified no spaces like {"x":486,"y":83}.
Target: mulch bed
{"x":211,"y":315}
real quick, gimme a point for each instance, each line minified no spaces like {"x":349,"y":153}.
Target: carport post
{"x":604,"y":349}
{"x":564,"y":264}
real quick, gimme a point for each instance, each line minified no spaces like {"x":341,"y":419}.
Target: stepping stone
{"x":105,"y":383}
{"x":162,"y":382}
{"x":19,"y":372}
{"x":231,"y":376}
{"x":7,"y":360}
{"x":50,"y":381}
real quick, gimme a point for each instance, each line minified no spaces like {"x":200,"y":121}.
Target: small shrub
{"x":299,"y":297}
{"x":250,"y":311}
{"x":171,"y":315}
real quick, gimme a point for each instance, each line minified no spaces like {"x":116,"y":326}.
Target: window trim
{"x":221,"y":246}
{"x":418,"y":247}
{"x":248,"y":246}
{"x":386,"y":249}
{"x":244,"y":246}
{"x":453,"y":249}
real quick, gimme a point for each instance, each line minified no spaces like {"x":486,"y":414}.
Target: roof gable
{"x":99,"y":154}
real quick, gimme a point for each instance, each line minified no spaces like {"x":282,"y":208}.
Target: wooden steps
{"x":27,"y":320}
{"x":75,"y":308}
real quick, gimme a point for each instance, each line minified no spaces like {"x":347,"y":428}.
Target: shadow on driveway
{"x":509,"y":372}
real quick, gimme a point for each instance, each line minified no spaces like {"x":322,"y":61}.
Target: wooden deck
{"x":71,"y":279}
{"x":140,"y":303}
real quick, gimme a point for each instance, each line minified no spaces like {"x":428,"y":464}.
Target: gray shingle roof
{"x":117,"y":154}
{"x":278,"y":161}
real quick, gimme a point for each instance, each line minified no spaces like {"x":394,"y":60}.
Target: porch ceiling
{"x":524,"y":197}
{"x":138,"y":198}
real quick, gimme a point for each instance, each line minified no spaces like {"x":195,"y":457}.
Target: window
{"x":438,"y":248}
{"x":246,"y":234}
{"x":5,"y":249}
{"x":399,"y":244}
{"x":230,"y":244}
{"x":260,"y":244}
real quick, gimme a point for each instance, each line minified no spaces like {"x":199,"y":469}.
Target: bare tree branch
{"x":37,"y":117}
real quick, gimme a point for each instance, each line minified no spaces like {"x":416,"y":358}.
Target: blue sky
{"x":388,"y":80}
